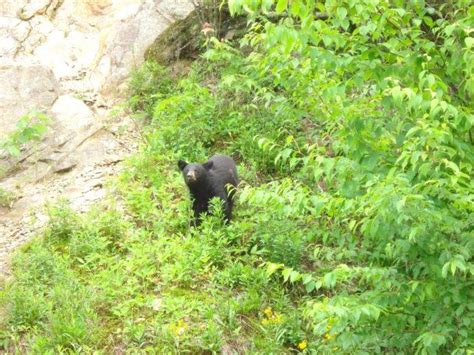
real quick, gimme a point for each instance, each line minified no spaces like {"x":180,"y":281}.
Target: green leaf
{"x":235,"y":6}
{"x":310,"y":286}
{"x":341,"y":13}
{"x":307,"y":279}
{"x":13,"y":150}
{"x":295,"y":8}
{"x":295,"y":276}
{"x":469,"y":42}
{"x":281,"y":6}
{"x":272,"y":268}
{"x":329,"y":280}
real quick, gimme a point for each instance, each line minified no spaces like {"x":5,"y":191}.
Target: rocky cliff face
{"x":70,"y":59}
{"x":84,"y":47}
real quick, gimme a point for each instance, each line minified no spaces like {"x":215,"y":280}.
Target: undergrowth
{"x":353,"y":231}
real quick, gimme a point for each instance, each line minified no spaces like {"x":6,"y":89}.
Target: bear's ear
{"x":208,"y":165}
{"x":182,"y":164}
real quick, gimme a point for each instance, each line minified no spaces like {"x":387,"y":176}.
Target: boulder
{"x":178,"y":41}
{"x":25,"y":87}
{"x":72,"y":114}
{"x":183,"y":39}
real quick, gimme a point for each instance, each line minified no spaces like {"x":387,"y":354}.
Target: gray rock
{"x":176,"y":9}
{"x":72,"y":114}
{"x":25,"y":87}
{"x":65,"y":166}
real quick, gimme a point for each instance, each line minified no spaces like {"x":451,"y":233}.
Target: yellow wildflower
{"x":276,"y":318}
{"x":268,"y":311}
{"x":303,"y":345}
{"x":179,"y":327}
{"x":328,"y":336}
{"x":271,"y":317}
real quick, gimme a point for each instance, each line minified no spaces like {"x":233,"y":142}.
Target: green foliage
{"x":351,"y":122}
{"x":29,"y":128}
{"x":147,"y":85}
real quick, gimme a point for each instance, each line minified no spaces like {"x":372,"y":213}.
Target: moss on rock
{"x":183,"y":39}
{"x":179,"y":41}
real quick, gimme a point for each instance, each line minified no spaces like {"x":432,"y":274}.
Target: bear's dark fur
{"x":209,"y":180}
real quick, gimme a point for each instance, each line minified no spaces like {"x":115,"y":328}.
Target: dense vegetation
{"x":352,"y":122}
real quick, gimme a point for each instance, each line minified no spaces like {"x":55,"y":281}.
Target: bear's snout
{"x":191,"y":175}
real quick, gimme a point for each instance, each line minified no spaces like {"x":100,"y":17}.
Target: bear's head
{"x":194,"y":174}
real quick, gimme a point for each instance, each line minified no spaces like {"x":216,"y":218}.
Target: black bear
{"x":208,"y":180}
